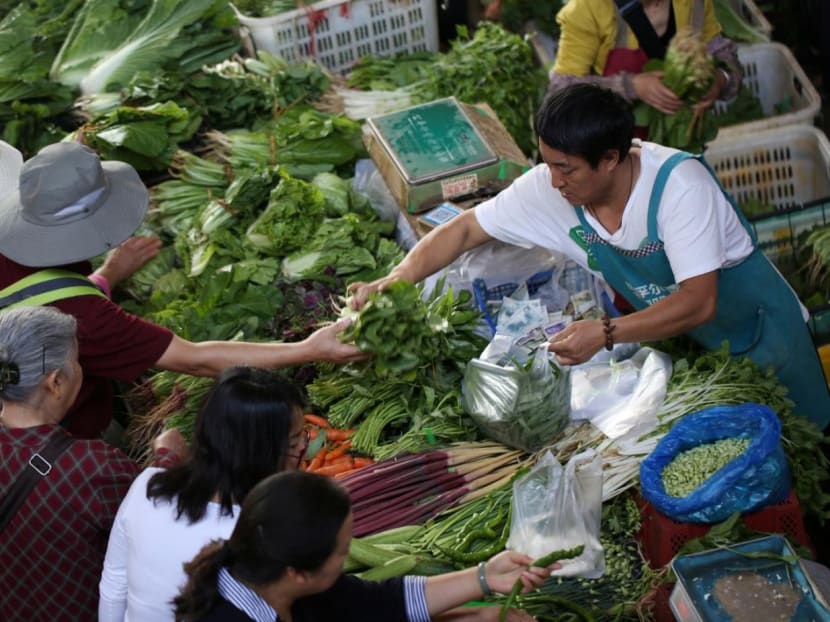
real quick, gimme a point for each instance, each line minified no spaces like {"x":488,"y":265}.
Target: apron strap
{"x":660,"y":185}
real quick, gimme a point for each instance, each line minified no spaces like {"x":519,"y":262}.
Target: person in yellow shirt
{"x":608,"y":43}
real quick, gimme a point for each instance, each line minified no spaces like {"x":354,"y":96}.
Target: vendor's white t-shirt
{"x":147,"y":547}
{"x":699,"y":228}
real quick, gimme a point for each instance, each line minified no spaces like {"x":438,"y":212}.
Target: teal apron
{"x":757,"y":312}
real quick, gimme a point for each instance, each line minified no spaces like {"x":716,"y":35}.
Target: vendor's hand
{"x":359,"y":292}
{"x":649,"y":88}
{"x":172,"y":441}
{"x":578,"y":342}
{"x":324,"y":345}
{"x":504,"y":569}
{"x":718,"y":84}
{"x":129,"y":256}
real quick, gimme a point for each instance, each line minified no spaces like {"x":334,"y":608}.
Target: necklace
{"x":593,"y":212}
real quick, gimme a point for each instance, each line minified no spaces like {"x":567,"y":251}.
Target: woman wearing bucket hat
{"x":67,"y":207}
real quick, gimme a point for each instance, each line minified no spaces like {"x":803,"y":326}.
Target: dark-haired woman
{"x":250,"y":426}
{"x":284,"y":561}
{"x":52,"y":547}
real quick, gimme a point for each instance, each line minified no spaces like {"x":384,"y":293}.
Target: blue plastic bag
{"x":757,"y":478}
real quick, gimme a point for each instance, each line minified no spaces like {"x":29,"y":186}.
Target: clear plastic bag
{"x":557,"y":508}
{"x":522,"y":406}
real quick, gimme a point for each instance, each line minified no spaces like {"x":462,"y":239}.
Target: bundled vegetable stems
{"x":412,"y":488}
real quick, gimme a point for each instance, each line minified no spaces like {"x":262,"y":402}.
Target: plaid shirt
{"x":52,"y":551}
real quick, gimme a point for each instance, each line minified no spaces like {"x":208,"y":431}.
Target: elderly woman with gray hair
{"x":58,"y":496}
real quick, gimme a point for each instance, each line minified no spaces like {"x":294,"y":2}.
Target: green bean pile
{"x":689,"y":469}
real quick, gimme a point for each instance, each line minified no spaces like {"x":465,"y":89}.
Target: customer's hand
{"x":324,"y":345}
{"x":504,"y":569}
{"x":649,"y":88}
{"x":128,"y":257}
{"x":718,"y":84}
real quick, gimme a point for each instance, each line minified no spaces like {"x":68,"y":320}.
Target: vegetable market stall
{"x":251,"y":180}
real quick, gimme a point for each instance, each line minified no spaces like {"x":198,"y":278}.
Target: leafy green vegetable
{"x":295,"y":210}
{"x":734,"y":26}
{"x":264,"y":8}
{"x":107,"y":45}
{"x":146,"y":137}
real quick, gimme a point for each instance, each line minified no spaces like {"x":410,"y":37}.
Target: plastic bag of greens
{"x":521,"y":404}
{"x":746,"y":473}
{"x":557,"y":508}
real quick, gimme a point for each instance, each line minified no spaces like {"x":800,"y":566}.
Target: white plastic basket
{"x":772,"y":73}
{"x":336,"y":33}
{"x":788,"y":167}
{"x":784,"y":166}
{"x":753,"y":15}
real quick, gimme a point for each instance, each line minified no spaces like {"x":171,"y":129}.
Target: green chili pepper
{"x":542,"y":562}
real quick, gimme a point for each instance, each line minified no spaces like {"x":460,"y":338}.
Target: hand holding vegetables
{"x":323,"y":345}
{"x":650,"y":89}
{"x":510,"y":568}
{"x":128,"y":257}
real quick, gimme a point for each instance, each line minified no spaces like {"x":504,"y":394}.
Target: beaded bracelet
{"x":482,"y":579}
{"x":608,"y":328}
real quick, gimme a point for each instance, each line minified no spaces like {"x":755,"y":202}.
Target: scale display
{"x":432,"y":141}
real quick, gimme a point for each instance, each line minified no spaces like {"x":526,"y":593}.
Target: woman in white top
{"x":251,"y":426}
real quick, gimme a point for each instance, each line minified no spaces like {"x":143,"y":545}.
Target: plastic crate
{"x":336,"y":33}
{"x":773,"y":75}
{"x":787,"y":167}
{"x":661,"y":537}
{"x":753,"y":15}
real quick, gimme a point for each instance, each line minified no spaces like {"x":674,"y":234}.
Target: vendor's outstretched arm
{"x":436,"y":250}
{"x":692,"y":304}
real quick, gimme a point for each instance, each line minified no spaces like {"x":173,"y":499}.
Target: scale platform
{"x":443,"y":150}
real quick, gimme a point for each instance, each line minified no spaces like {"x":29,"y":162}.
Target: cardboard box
{"x":443,"y":150}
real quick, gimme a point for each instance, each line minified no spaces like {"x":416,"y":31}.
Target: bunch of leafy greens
{"x":388,"y":73}
{"x":301,"y":139}
{"x":493,"y":66}
{"x":689,"y":71}
{"x":236,"y":93}
{"x":109,"y":44}
{"x":295,"y":210}
{"x":146,"y":137}
{"x":407,"y":397}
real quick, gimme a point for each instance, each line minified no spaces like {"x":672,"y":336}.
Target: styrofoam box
{"x":336,"y":33}
{"x":772,"y":73}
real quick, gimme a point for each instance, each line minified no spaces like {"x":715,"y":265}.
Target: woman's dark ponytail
{"x":201,"y":592}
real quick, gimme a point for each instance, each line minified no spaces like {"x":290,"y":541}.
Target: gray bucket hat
{"x":69,"y":206}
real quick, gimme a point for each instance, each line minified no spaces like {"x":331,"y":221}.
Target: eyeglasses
{"x":298,"y":445}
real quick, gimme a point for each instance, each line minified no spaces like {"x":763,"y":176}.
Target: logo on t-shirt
{"x":577,"y":234}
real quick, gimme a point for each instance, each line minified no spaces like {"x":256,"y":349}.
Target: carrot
{"x":361,"y":462}
{"x":339,"y":435}
{"x":312,"y":433}
{"x":338,"y":451}
{"x":317,"y":420}
{"x":341,"y":459}
{"x":334,"y":469}
{"x":318,"y":460}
